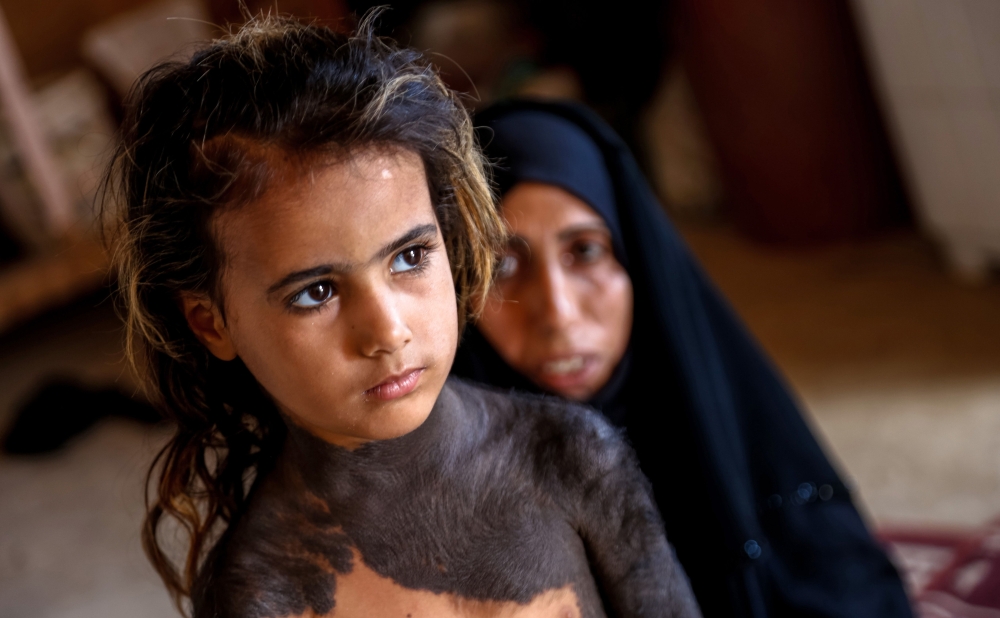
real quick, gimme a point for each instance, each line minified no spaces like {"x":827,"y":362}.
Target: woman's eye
{"x":588,"y":252}
{"x":314,"y":295}
{"x":407,"y":259}
{"x":508,"y":266}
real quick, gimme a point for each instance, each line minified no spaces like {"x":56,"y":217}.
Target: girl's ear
{"x":206,"y":322}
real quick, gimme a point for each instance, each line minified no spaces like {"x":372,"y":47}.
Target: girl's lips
{"x":396,"y":386}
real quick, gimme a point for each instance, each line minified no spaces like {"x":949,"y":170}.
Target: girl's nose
{"x":379,"y":324}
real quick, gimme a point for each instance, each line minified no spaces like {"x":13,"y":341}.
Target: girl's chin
{"x":405,"y":422}
{"x":375,"y":419}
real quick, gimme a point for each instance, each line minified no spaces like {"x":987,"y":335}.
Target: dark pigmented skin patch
{"x":496,"y":497}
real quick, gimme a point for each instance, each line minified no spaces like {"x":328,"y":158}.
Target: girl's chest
{"x":486,"y":539}
{"x":502,"y":542}
{"x":463,"y":546}
{"x":364,"y":593}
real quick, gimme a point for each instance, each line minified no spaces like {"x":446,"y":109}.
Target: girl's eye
{"x":407,"y":259}
{"x":314,"y":295}
{"x":508,"y":266}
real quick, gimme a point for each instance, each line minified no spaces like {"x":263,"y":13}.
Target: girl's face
{"x":338,"y":297}
{"x":561,"y":312}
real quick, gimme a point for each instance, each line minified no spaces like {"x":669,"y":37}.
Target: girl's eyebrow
{"x":416,"y":233}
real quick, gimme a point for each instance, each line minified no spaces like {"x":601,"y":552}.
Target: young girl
{"x":305,"y":228}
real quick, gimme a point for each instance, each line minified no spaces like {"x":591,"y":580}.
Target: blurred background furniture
{"x":57,"y":138}
{"x":937,"y":66}
{"x":65,"y":68}
{"x":40,"y":212}
{"x":785,"y":96}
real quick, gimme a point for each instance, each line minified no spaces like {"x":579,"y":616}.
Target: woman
{"x":599,"y":301}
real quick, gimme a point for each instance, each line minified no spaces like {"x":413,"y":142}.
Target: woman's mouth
{"x":395,"y":386}
{"x":564,"y":366}
{"x":568,"y":372}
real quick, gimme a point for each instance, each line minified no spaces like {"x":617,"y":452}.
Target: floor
{"x":897,"y":365}
{"x":69,"y":522}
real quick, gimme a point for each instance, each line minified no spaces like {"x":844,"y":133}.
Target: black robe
{"x":760,"y":520}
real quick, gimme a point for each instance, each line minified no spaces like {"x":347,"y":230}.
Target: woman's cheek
{"x":609,"y":299}
{"x":621,"y":307}
{"x":507,"y":326}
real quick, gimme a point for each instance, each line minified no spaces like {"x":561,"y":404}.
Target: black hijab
{"x":759,"y":518}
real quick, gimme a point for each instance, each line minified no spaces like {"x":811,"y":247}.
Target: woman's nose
{"x":556,"y":304}
{"x":379,"y":323}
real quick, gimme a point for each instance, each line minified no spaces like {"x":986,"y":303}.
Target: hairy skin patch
{"x":498,"y":505}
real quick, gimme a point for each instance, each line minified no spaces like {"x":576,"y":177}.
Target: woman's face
{"x":338,"y":297}
{"x":561,"y":312}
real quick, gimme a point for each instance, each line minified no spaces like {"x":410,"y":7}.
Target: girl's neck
{"x":326,"y":467}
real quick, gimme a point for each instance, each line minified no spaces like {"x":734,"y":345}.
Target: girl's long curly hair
{"x":189,"y":145}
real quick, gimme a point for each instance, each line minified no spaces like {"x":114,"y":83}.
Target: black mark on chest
{"x":471,"y":517}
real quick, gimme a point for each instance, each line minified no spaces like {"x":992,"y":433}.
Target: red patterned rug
{"x":951,"y":574}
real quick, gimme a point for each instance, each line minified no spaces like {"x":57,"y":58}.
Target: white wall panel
{"x":936,"y":64}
